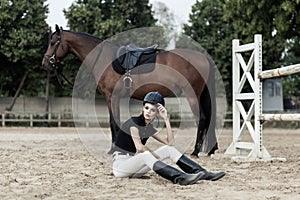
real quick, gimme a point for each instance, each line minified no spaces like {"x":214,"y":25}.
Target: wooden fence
{"x":63,"y":119}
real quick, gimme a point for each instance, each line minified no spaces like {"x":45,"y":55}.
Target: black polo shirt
{"x":124,"y":142}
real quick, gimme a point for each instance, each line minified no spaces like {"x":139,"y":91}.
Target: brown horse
{"x":176,"y":71}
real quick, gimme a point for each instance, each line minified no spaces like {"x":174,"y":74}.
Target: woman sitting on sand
{"x":133,"y":159}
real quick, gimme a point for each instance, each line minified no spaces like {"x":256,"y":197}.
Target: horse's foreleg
{"x":114,"y":119}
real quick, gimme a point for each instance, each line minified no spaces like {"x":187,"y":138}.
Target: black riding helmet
{"x":154,"y":98}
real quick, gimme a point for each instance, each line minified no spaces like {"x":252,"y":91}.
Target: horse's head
{"x":57,"y":50}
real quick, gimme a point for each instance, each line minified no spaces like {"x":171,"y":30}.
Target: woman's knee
{"x":167,"y":151}
{"x":148,"y":158}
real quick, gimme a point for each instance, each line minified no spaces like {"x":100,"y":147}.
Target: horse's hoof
{"x":212,"y":151}
{"x":195,"y":155}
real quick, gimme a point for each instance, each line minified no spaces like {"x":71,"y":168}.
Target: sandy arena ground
{"x":53,"y":163}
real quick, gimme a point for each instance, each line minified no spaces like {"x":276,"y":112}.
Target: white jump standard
{"x":251,"y":120}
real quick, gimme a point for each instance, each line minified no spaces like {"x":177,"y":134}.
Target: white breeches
{"x":139,"y":164}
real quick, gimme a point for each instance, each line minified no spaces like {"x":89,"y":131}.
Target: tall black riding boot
{"x":189,"y":166}
{"x":175,"y":175}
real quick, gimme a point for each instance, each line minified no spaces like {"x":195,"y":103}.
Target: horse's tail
{"x":210,"y":93}
{"x":208,"y":107}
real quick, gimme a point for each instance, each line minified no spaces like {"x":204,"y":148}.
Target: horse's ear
{"x":57,"y":28}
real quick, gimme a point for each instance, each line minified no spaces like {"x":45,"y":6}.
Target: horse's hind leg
{"x":200,"y":119}
{"x":201,"y":132}
{"x":207,"y":122}
{"x":206,"y":126}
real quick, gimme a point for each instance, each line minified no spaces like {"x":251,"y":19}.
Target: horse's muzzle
{"x":49,"y":63}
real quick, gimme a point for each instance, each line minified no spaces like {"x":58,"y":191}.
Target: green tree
{"x":291,"y":84}
{"x":106,"y":18}
{"x":278,"y":21}
{"x":23,"y":33}
{"x":279,"y":24}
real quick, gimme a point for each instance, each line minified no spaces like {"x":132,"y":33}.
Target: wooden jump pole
{"x":280,"y":117}
{"x":283,"y":71}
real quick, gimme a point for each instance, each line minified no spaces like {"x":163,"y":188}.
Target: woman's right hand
{"x":162,"y":111}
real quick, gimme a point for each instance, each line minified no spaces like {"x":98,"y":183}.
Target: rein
{"x":59,"y":77}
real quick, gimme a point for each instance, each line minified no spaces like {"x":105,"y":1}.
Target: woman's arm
{"x":137,"y":140}
{"x":140,"y":148}
{"x":169,"y":140}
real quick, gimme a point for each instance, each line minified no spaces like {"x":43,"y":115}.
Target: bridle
{"x":54,"y":63}
{"x":52,"y":58}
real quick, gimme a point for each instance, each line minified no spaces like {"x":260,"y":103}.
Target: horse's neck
{"x":94,"y":56}
{"x":81,"y":45}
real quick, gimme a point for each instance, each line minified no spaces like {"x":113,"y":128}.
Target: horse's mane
{"x":86,"y":35}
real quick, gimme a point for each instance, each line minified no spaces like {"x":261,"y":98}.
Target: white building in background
{"x":272,"y":95}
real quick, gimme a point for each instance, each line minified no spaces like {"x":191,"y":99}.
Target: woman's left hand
{"x":162,"y":111}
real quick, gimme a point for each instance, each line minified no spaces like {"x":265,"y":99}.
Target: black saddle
{"x":128,"y":56}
